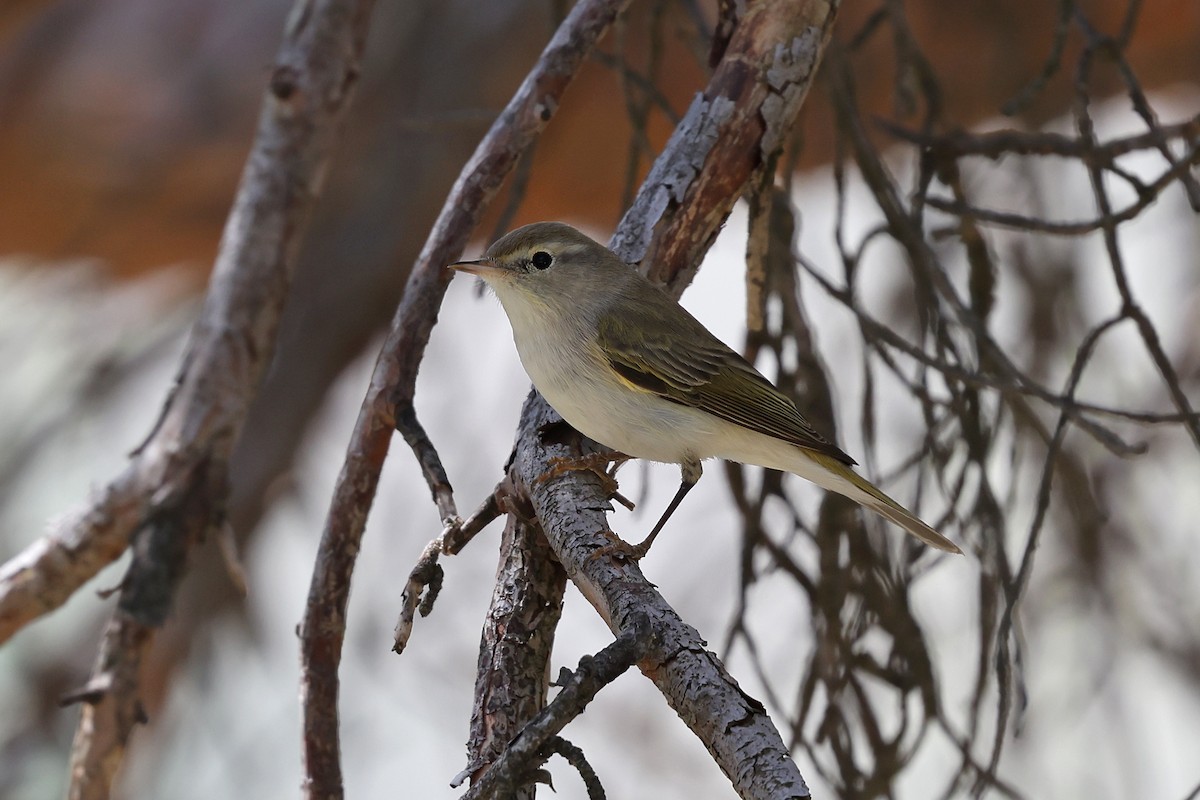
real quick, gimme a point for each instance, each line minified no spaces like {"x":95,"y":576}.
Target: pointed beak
{"x":478,"y":267}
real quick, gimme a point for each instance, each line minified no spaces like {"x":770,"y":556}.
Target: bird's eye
{"x":541,"y":259}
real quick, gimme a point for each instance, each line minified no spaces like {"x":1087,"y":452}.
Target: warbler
{"x":626,"y":365}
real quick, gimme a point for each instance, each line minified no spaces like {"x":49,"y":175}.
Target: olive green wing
{"x":672,"y":355}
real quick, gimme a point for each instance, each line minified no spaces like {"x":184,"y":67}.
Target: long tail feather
{"x":837,"y":477}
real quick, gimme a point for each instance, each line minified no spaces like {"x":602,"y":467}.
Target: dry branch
{"x":389,"y":399}
{"x":424,"y":580}
{"x":733,"y":726}
{"x":173,"y":490}
{"x":111,"y":709}
{"x":233,"y":341}
{"x":111,"y":699}
{"x":725,"y":141}
{"x":528,"y":746}
{"x":971,"y":392}
{"x":514,"y":651}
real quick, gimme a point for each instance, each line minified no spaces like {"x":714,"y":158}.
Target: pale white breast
{"x":568,"y":369}
{"x":559,"y":349}
{"x":560,"y":354}
{"x":589,"y":395}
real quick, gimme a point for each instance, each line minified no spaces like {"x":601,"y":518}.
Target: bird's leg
{"x":690,"y":475}
{"x":690,"y":472}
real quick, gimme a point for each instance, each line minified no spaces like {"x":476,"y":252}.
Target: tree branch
{"x":234,"y":339}
{"x":389,"y":397}
{"x":727,"y":136}
{"x":112,"y":706}
{"x":528,"y":749}
{"x":173,"y":490}
{"x":424,"y":581}
{"x":733,"y":726}
{"x":514,"y":653}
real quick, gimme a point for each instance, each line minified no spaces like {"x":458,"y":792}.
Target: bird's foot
{"x":592,"y":462}
{"x":620,"y":549}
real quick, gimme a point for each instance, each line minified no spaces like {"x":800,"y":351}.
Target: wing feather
{"x":698,"y":370}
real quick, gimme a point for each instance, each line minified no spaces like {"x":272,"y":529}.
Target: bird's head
{"x":547,"y":264}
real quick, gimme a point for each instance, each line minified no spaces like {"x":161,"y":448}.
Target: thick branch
{"x":234,"y":340}
{"x":111,"y":698}
{"x":173,"y":490}
{"x":732,"y":725}
{"x":514,"y":650}
{"x":727,"y":136}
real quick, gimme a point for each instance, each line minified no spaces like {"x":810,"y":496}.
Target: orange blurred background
{"x":124,"y":123}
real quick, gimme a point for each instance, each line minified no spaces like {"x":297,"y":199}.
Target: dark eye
{"x":541,"y":259}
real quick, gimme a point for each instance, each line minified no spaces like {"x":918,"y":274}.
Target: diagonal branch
{"x":527,"y":749}
{"x":234,"y":339}
{"x":732,"y":725}
{"x":173,"y":490}
{"x":111,"y":699}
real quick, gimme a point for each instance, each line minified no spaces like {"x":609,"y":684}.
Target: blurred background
{"x":124,"y":125}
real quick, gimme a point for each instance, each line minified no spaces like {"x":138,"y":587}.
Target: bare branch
{"x":112,"y":705}
{"x":715,"y":154}
{"x":427,"y":574}
{"x":727,"y":136}
{"x":1130,"y":306}
{"x":173,"y":490}
{"x":995,"y":145}
{"x":431,"y":463}
{"x":733,"y":726}
{"x":514,"y":662}
{"x":1147,"y":195}
{"x":575,"y":757}
{"x":111,"y":709}
{"x":389,"y":397}
{"x":313,"y":80}
{"x":529,"y":749}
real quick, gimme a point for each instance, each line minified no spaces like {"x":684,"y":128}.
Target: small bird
{"x":629,"y":367}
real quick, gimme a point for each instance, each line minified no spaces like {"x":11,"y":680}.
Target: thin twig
{"x":995,"y":145}
{"x":427,"y":574}
{"x":575,"y":757}
{"x":1110,"y":217}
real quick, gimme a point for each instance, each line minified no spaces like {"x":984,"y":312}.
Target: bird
{"x":623,"y":363}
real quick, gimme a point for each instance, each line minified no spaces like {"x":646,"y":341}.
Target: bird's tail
{"x":837,"y":477}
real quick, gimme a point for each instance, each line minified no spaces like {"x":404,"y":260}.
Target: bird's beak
{"x":478,"y":267}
